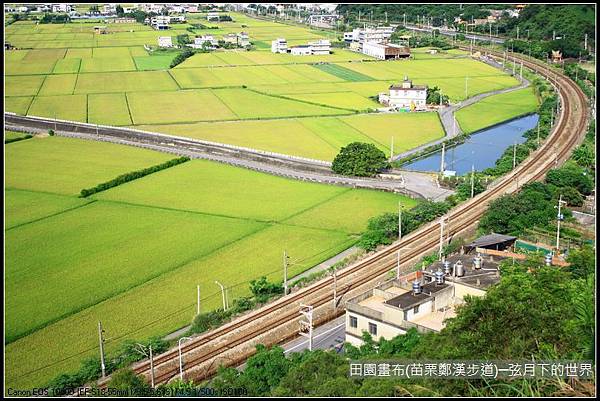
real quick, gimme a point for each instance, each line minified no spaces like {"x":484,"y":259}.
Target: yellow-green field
{"x":496,"y":109}
{"x":132,"y":256}
{"x":70,"y":72}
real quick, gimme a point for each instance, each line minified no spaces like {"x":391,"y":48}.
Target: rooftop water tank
{"x":477,"y":262}
{"x":459,"y":269}
{"x":439,"y":277}
{"x":447,"y":268}
{"x":416,"y":287}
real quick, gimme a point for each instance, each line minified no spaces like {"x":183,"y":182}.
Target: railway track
{"x":253,"y":327}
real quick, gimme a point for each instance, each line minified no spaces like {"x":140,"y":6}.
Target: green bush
{"x":181,"y":57}
{"x":359,"y":159}
{"x":571,"y":175}
{"x":126,"y":379}
{"x":51,"y":132}
{"x":134,"y":175}
{"x":263,"y":290}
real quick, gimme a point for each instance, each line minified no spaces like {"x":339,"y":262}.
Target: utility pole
{"x":198,"y":306}
{"x":514,"y":65}
{"x":443,"y":154}
{"x":585,"y":42}
{"x":404,"y":16}
{"x":472,"y":180}
{"x":399,"y":220}
{"x":538,"y":134}
{"x":398,"y":266}
{"x":285,"y":267}
{"x":441,"y":236}
{"x":151,"y":367}
{"x":101,"y":338}
{"x":222,"y":294}
{"x":307,"y":312}
{"x":514,"y":155}
{"x":386,"y":20}
{"x":334,"y":289}
{"x":559,"y":217}
{"x":521,"y":71}
{"x":392,"y":149}
{"x":517,"y":33}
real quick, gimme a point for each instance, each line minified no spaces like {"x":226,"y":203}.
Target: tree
{"x":120,"y":11}
{"x":571,"y":175}
{"x":359,"y":159}
{"x":585,"y":156}
{"x":582,"y":262}
{"x":433,"y":96}
{"x":263,"y":290}
{"x":126,"y":379}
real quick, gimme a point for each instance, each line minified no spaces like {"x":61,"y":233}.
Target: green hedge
{"x":134,"y":175}
{"x":17,"y":139}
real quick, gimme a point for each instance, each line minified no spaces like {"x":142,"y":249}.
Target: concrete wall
{"x":460,"y":290}
{"x":383,"y":330}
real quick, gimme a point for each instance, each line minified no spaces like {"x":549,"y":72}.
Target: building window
{"x":373,"y":329}
{"x":353,"y":321}
{"x":416,"y":309}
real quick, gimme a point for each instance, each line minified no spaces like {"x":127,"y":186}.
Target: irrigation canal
{"x":481,"y":149}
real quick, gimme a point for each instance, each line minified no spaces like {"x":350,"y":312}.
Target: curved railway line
{"x":567,"y":132}
{"x":232,"y":343}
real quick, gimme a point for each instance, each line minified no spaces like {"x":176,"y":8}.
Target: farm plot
{"x":107,"y":64}
{"x":145,"y":63}
{"x":65,"y":166}
{"x":496,"y":109}
{"x":62,"y":84}
{"x":266,"y":198}
{"x":449,"y":74}
{"x":287,"y":136}
{"x":118,"y":82}
{"x":349,"y":211}
{"x":416,"y":129}
{"x":124,"y":247}
{"x":343,"y":73}
{"x":18,"y":105}
{"x":23,"y":207}
{"x":181,"y":106}
{"x":346,"y":100}
{"x":64,"y":107}
{"x":110,"y":225}
{"x":67,"y":66}
{"x":248,"y":104}
{"x":108,"y":109}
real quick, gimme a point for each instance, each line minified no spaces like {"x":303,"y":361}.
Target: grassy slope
{"x":496,"y":109}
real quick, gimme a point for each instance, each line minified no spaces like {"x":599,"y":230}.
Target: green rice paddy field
{"x":496,"y":109}
{"x":132,"y":256}
{"x":69,"y":72}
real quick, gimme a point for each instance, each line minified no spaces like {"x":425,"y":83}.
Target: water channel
{"x":481,"y":149}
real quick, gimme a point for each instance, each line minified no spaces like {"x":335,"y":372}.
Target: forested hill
{"x":572,"y":21}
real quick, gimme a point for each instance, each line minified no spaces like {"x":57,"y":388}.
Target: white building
{"x":200,"y":40}
{"x":279,"y":45}
{"x":160,"y":22}
{"x":364,"y":35}
{"x":230,"y":38}
{"x":385,"y":51}
{"x":243,"y":39}
{"x":405,"y":96}
{"x":61,"y":8}
{"x":176,"y":18}
{"x":322,"y":46}
{"x":420,"y":300}
{"x":165,"y":41}
{"x":303,"y":50}
{"x":109,"y":8}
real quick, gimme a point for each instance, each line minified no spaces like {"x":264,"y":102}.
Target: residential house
{"x":243,"y":39}
{"x":385,"y":51}
{"x":302,"y":50}
{"x":405,"y":96}
{"x":165,"y":41}
{"x":279,"y":45}
{"x":319,"y":47}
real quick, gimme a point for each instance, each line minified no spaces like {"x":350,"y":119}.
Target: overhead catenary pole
{"x":398,"y":266}
{"x":521,"y":71}
{"x":441,"y":236}
{"x":472,"y":180}
{"x":392,"y":149}
{"x":285,"y":267}
{"x":307,"y":312}
{"x":538,"y":133}
{"x":558,"y":218}
{"x":399,"y":220}
{"x":198,"y":301}
{"x":334,"y":289}
{"x":514,"y":155}
{"x":222,"y":294}
{"x":101,"y":341}
{"x":442,"y":162}
{"x":181,"y":356}
{"x":151,"y":367}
